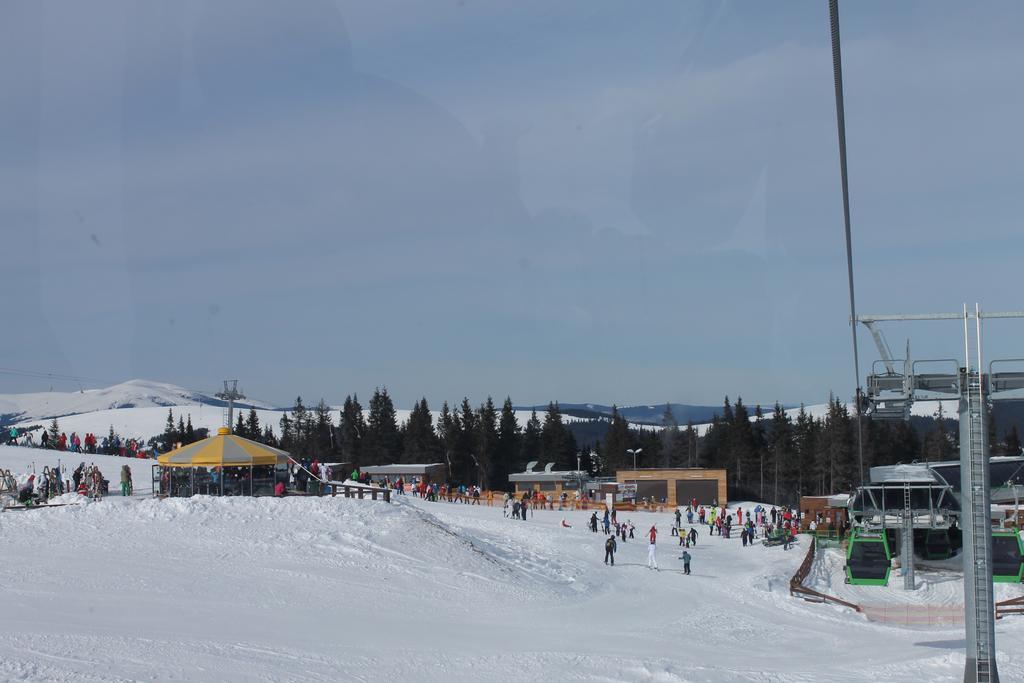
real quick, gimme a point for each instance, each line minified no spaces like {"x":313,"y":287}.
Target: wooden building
{"x":677,"y":486}
{"x":431,"y":473}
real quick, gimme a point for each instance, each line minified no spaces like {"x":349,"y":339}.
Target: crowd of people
{"x":86,"y":480}
{"x":89,"y":444}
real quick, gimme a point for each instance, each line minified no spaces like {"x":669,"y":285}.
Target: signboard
{"x":627,"y":491}
{"x":609,"y":501}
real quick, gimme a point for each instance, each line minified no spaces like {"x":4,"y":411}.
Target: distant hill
{"x":640,"y":414}
{"x":136,"y":393}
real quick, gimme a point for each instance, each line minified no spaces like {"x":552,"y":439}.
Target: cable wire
{"x":837,"y":72}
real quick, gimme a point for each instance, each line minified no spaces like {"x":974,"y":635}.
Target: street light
{"x":634,"y":451}
{"x":479,"y":470}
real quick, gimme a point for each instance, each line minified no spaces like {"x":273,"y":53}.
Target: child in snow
{"x":609,"y":550}
{"x":685,"y":557}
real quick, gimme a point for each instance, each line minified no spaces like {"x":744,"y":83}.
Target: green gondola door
{"x":868,"y":560}
{"x":937,"y":545}
{"x":1007,"y":554}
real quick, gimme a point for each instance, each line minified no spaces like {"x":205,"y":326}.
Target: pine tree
{"x":240,"y":428}
{"x":508,"y":457}
{"x":691,"y":442}
{"x":449,"y":431}
{"x":300,"y":431}
{"x":531,"y":440}
{"x":669,"y":436}
{"x":741,"y":445}
{"x":554,"y":438}
{"x":382,"y":443}
{"x":252,"y":426}
{"x":55,"y":433}
{"x":780,"y":451}
{"x":287,"y":441}
{"x":466,"y":444}
{"x":353,"y":427}
{"x":805,"y":437}
{"x":758,"y":447}
{"x":268,"y":437}
{"x":322,"y":431}
{"x":616,"y":440}
{"x":487,"y":445}
{"x":419,"y":442}
{"x":181,"y":431}
{"x":170,"y":435}
{"x":190,"y":434}
{"x":938,"y":445}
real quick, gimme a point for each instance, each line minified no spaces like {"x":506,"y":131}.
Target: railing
{"x":350,"y":491}
{"x":915,"y":615}
{"x":798,"y":589}
{"x":1011,"y":606}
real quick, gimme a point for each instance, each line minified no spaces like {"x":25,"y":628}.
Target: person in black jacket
{"x":609,"y":550}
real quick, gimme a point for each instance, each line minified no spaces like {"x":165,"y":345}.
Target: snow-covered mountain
{"x":136,"y":393}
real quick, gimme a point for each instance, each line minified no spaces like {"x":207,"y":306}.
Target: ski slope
{"x":136,"y":393}
{"x":322,"y":589}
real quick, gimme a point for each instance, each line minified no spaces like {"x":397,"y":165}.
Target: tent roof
{"x":223,"y":450}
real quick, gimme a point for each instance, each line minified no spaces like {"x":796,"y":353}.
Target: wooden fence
{"x":350,"y":491}
{"x":798,"y":589}
{"x":1011,"y":606}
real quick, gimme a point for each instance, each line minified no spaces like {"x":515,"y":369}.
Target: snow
{"x":820,"y":410}
{"x":25,"y":461}
{"x":33,"y":407}
{"x":314,"y":589}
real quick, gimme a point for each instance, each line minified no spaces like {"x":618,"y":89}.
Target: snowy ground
{"x":24,"y":461}
{"x":333,"y":589}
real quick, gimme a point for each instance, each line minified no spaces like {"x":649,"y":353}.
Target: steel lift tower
{"x":890,"y":394}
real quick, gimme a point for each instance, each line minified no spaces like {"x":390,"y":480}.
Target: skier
{"x":607,"y":522}
{"x":685,"y":557}
{"x":125,"y":478}
{"x":689,"y":516}
{"x":652,"y":535}
{"x":609,"y":550}
{"x":692,"y":538}
{"x":593,"y":522}
{"x":679,"y":521}
{"x":631,"y":528}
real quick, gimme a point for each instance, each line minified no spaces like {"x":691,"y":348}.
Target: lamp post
{"x":634,"y":451}
{"x":479,"y":470}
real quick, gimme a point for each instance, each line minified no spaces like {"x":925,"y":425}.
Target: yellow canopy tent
{"x":223,"y":450}
{"x":220,"y":464}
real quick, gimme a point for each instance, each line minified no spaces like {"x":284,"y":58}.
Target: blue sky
{"x":584,"y":201}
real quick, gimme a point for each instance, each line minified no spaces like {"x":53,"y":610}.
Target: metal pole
{"x":979,"y":617}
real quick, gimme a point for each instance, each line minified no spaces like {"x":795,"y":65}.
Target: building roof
{"x":914,"y":474}
{"x":223,"y":450}
{"x":401,"y":469}
{"x":548,"y":476}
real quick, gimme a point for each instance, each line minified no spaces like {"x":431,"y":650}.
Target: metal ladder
{"x":907,"y":561}
{"x":980,"y":527}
